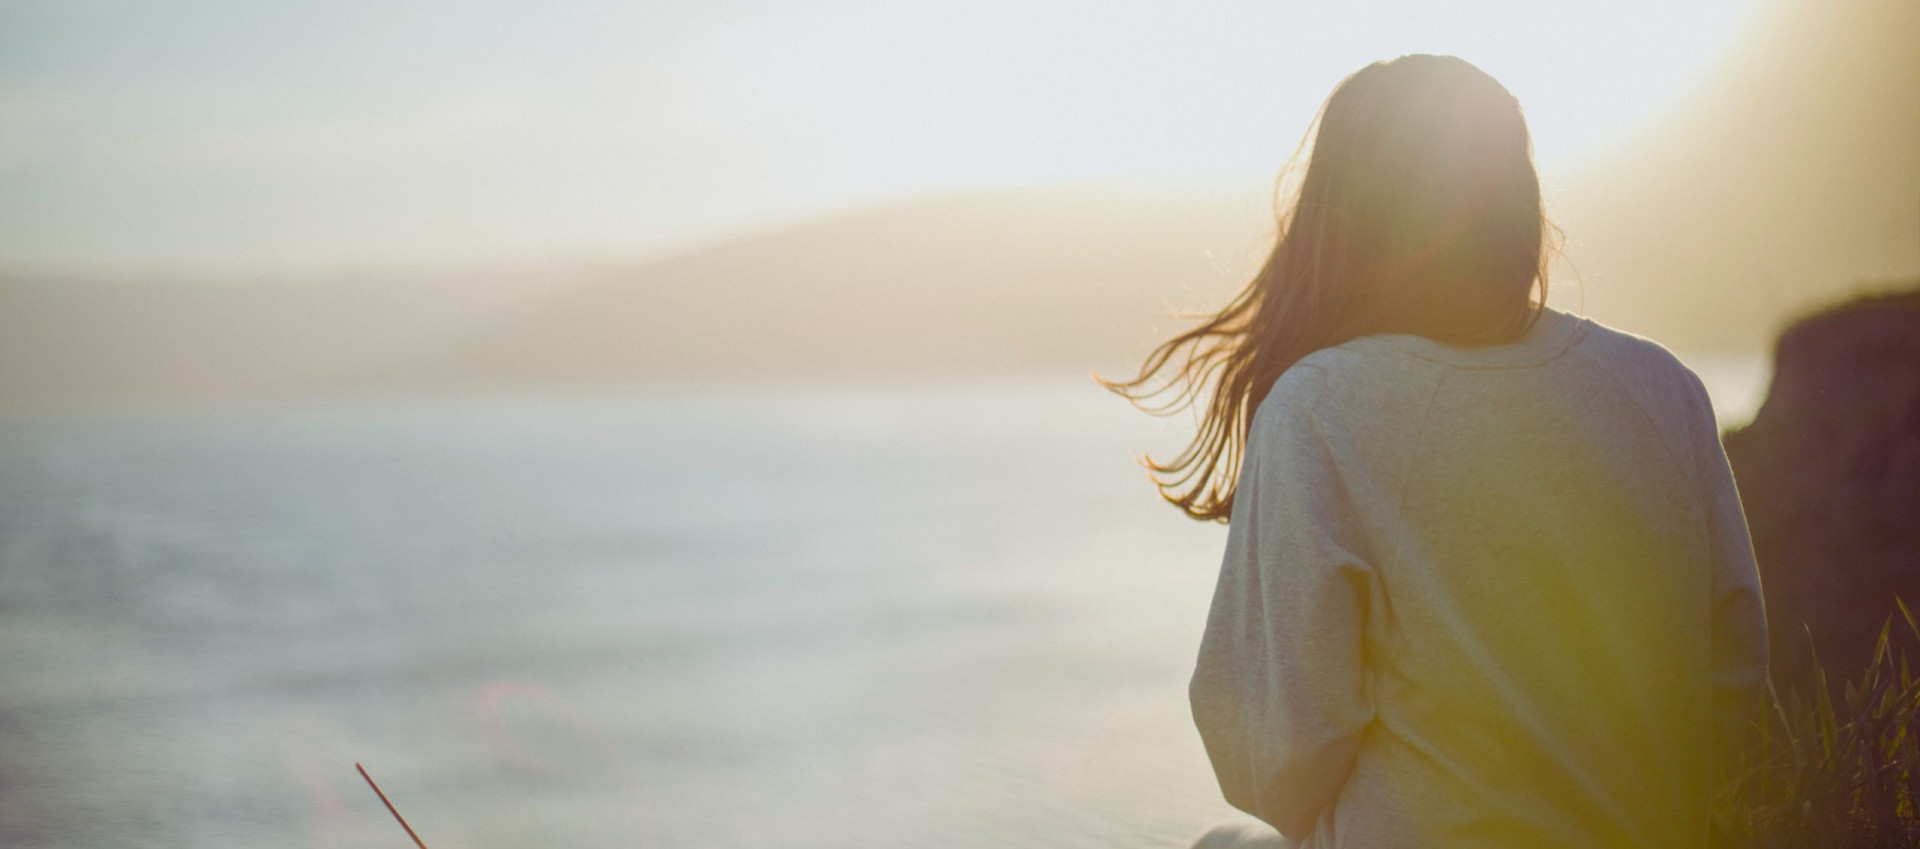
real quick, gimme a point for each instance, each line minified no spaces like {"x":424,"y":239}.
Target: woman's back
{"x":1487,"y":596}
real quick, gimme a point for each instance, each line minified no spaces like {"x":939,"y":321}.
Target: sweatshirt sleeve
{"x":1279,"y":693}
{"x":1739,"y":617}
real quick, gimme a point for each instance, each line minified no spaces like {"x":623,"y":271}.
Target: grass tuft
{"x":1823,"y":775}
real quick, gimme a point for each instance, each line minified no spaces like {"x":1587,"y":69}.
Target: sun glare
{"x":966,"y":95}
{"x":1591,"y":73}
{"x":586,"y":128}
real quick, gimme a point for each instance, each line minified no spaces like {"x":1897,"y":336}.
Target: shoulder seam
{"x":1419,"y":439}
{"x":1685,"y":469}
{"x":1402,"y":539}
{"x":1312,"y":406}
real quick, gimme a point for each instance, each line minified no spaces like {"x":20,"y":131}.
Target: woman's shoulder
{"x":1357,"y":364}
{"x":1643,"y":365}
{"x":1352,"y":382}
{"x":1379,"y":380}
{"x":1390,"y":360}
{"x":1630,"y":348}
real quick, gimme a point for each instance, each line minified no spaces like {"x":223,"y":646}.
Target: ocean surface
{"x":949,"y":614}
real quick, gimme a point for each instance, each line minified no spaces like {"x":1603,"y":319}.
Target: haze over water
{"x":949,"y":613}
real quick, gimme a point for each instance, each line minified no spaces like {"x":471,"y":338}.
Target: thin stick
{"x":395,"y":811}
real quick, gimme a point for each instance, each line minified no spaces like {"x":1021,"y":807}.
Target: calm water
{"x":948,"y":615}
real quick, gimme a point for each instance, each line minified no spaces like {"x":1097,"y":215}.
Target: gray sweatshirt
{"x":1494,"y":596}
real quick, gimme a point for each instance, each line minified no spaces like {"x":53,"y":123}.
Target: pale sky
{"x":244,"y":138}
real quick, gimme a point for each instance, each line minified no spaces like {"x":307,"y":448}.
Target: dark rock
{"x":1829,"y":474}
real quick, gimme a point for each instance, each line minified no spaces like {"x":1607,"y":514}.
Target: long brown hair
{"x":1419,"y":213}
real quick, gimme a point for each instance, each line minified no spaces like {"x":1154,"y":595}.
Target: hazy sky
{"x":238,"y":138}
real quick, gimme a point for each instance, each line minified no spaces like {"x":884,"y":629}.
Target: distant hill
{"x":67,"y":342}
{"x":1788,"y":178}
{"x":1067,"y":278}
{"x":1062,"y":277}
